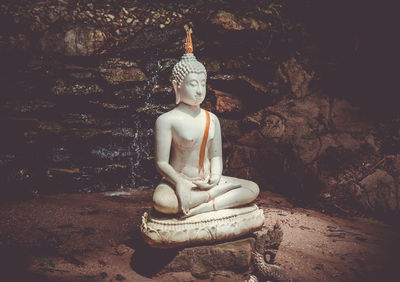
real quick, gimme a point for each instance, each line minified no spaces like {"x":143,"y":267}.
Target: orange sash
{"x":204,"y":143}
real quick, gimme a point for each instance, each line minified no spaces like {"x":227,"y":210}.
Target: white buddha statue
{"x":188,"y":150}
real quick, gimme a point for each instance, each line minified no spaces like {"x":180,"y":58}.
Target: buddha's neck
{"x":193,"y":110}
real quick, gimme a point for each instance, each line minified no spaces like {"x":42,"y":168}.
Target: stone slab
{"x":200,"y":261}
{"x":232,"y":256}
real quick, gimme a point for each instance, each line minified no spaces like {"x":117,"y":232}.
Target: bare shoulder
{"x":214,"y":118}
{"x":165,"y":119}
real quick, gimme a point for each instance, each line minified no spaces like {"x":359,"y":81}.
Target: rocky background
{"x":303,"y":97}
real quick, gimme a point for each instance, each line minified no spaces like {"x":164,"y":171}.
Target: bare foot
{"x":202,"y":208}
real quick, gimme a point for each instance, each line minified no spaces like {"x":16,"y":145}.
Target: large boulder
{"x":116,"y":71}
{"x":379,"y":192}
{"x":229,"y":21}
{"x":313,"y":146}
{"x":313,"y":124}
{"x":227,"y":103}
{"x":297,"y":76}
{"x":78,"y":41}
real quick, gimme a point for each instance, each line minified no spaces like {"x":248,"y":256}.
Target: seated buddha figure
{"x":188,"y":150}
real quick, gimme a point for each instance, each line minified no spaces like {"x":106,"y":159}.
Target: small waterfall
{"x":141,"y":147}
{"x":152,"y":85}
{"x":140,"y":150}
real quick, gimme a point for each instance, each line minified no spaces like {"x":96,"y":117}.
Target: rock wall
{"x":83,"y":83}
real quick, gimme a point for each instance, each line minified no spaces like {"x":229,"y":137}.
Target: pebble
{"x":89,"y":14}
{"x":129,"y":20}
{"x":162,"y":26}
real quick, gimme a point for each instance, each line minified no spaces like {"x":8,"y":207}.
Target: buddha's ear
{"x":177,"y":95}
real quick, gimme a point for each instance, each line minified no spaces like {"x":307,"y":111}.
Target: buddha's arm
{"x":215,"y":154}
{"x":163,"y":140}
{"x":215,"y":157}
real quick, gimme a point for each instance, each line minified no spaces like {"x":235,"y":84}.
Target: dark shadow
{"x":288,"y":174}
{"x":148,"y":261}
{"x":390,"y":270}
{"x":14,"y":263}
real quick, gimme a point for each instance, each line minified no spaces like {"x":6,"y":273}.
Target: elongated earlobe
{"x":177,"y":95}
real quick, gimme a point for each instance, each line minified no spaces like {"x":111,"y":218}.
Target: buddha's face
{"x":192,"y":90}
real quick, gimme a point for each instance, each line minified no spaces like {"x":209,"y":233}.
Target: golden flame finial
{"x":188,"y":42}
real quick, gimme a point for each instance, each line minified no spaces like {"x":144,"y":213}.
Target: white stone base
{"x":207,"y":227}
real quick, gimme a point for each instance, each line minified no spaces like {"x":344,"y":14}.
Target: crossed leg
{"x":166,"y":201}
{"x":230,"y":192}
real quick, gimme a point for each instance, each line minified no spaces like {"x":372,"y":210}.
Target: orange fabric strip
{"x":204,"y":143}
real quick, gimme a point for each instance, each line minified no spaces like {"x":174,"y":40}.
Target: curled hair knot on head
{"x":187,"y":64}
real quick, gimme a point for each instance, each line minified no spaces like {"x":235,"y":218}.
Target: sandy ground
{"x":93,"y":237}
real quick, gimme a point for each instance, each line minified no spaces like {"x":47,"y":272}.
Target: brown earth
{"x":94,"y":237}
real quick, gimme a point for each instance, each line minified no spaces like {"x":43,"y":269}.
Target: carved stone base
{"x":211,"y":227}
